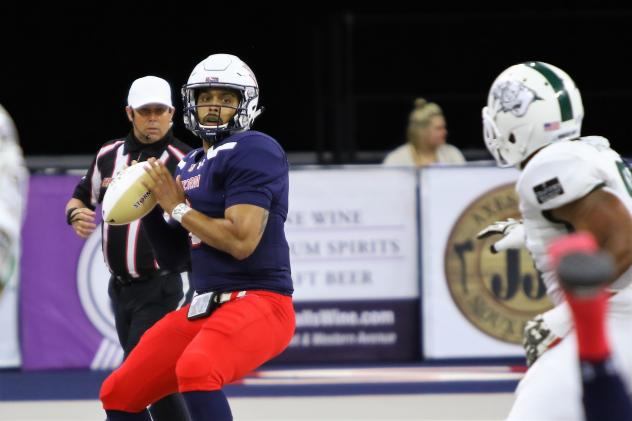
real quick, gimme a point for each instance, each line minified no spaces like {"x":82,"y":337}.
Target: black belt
{"x":126,"y":279}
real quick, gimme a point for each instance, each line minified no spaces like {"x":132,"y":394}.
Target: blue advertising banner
{"x":355,"y":331}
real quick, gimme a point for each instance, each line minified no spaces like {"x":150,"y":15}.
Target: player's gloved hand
{"x":537,"y":338}
{"x":546,"y":330}
{"x":512,"y":231}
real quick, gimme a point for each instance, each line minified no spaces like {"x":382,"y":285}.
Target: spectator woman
{"x":426,"y":139}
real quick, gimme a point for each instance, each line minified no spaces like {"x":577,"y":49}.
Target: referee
{"x":142,"y":287}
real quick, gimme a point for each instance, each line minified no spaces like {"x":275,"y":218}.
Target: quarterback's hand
{"x":167,"y":191}
{"x":82,"y":220}
{"x":537,"y":339}
{"x":512,"y":231}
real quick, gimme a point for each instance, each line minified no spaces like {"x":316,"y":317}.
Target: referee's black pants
{"x":137,"y":306}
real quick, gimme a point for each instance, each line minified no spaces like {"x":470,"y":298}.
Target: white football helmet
{"x":221,"y":71}
{"x":8,"y":134}
{"x":529,"y":106}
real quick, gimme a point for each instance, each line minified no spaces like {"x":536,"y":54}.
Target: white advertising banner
{"x":475,"y":303}
{"x":353,"y":247}
{"x":352,"y":234}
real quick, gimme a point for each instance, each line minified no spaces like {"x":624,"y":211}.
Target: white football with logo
{"x":126,"y":199}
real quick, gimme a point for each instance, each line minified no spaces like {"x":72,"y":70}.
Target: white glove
{"x":545,"y":330}
{"x":512,"y":231}
{"x":537,"y":339}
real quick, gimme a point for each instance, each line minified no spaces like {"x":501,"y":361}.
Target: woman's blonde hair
{"x":424,"y":111}
{"x":427,"y":110}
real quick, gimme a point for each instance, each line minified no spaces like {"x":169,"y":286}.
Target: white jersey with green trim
{"x":13,"y":191}
{"x":559,"y":174}
{"x":13,"y":188}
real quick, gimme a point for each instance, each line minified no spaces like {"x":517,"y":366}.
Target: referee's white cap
{"x":149,"y":90}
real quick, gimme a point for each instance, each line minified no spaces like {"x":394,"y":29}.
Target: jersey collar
{"x":134,"y":145}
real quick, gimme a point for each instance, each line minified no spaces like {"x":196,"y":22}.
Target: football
{"x":126,"y":199}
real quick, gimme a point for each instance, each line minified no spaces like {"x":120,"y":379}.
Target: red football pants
{"x":177,"y":354}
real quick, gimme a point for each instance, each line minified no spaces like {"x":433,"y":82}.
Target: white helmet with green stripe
{"x":530,"y":105}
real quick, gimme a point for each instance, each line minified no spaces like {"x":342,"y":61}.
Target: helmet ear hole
{"x":512,"y":139}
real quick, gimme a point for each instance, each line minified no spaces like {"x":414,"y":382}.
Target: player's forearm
{"x":220,"y":233}
{"x":619,"y":246}
{"x":602,"y":214}
{"x":613,"y":237}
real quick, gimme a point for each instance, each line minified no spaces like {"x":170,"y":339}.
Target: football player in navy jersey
{"x":231,"y":199}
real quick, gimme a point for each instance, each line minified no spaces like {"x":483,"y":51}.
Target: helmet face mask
{"x":492,"y":138}
{"x":530,"y":106}
{"x":222,"y":123}
{"x":226,"y":72}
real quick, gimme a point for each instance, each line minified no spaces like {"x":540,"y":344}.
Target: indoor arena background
{"x":401,"y":313}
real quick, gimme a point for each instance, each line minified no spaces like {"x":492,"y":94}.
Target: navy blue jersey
{"x":245,"y":168}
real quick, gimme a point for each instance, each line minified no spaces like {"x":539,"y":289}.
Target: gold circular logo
{"x":497,"y":293}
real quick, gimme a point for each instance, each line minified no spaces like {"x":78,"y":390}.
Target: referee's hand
{"x":83,"y":222}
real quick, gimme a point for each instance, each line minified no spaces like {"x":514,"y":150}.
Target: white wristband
{"x":179,"y":211}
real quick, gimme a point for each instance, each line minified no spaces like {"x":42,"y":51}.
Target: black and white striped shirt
{"x":126,"y":248}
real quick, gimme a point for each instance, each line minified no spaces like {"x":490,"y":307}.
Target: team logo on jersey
{"x":548,"y":190}
{"x":191,"y":182}
{"x":497,"y":293}
{"x":513,"y":97}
